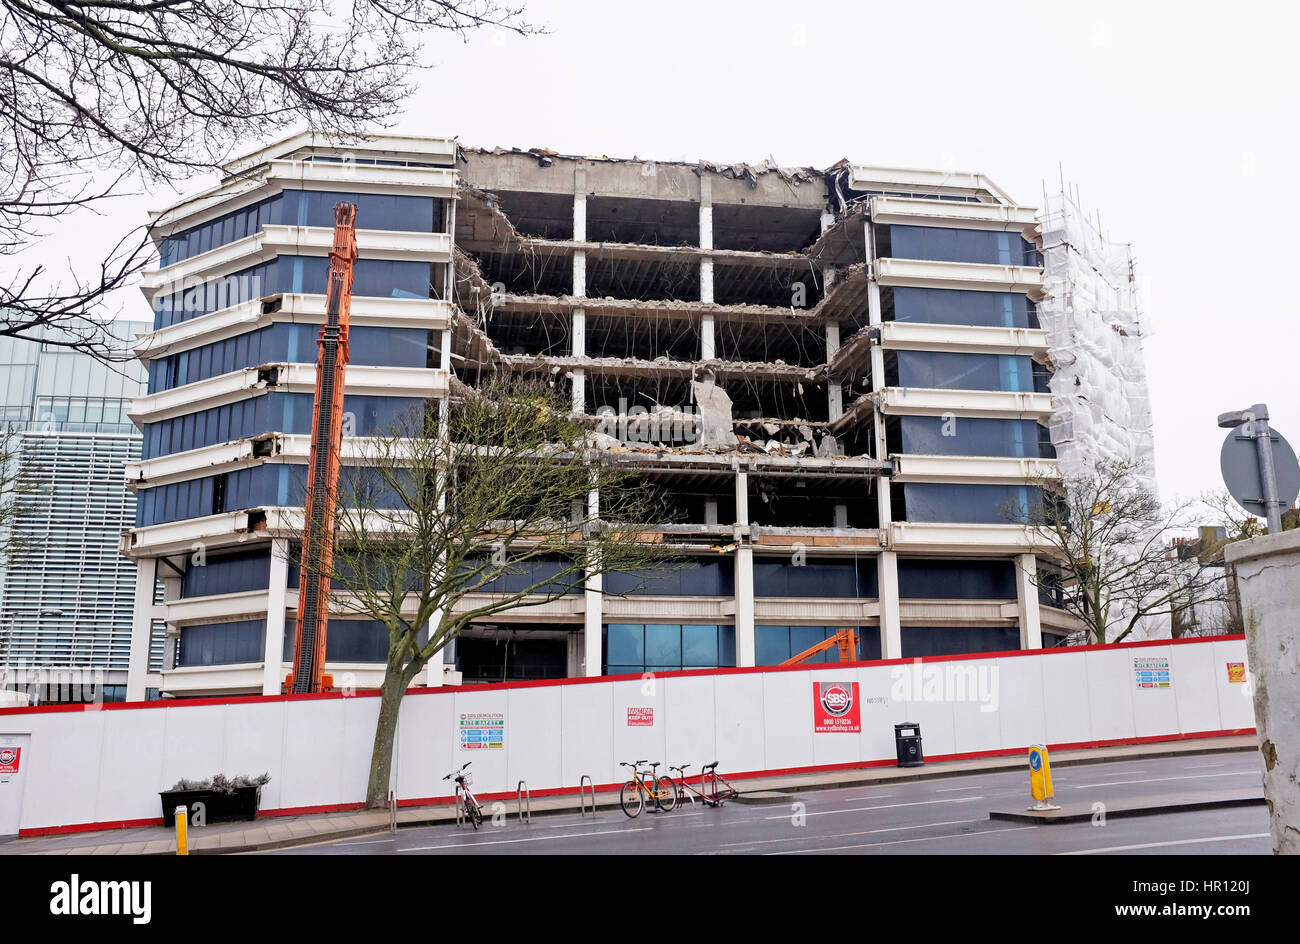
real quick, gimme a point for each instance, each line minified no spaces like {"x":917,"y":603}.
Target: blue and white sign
{"x":483,"y":731}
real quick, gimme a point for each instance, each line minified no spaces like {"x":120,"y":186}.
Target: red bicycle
{"x":713,"y":788}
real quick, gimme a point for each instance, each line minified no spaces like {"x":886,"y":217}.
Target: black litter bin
{"x":907,"y":739}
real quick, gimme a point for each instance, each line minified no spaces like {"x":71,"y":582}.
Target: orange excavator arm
{"x":845,"y":639}
{"x":323,"y":464}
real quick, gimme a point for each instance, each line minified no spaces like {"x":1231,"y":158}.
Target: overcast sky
{"x":1176,"y":122}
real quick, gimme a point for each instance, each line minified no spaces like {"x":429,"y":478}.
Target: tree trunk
{"x":381,"y":757}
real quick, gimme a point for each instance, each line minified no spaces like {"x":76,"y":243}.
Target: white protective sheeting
{"x":1094,"y":331}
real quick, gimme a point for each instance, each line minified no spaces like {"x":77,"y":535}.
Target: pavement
{"x":321,"y":830}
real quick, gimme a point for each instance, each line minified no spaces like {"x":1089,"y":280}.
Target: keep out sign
{"x":836,"y":707}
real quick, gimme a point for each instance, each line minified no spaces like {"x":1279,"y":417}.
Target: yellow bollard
{"x":1040,"y":778}
{"x":182,"y":840}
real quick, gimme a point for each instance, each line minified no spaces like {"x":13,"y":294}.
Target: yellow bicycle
{"x":644,"y":785}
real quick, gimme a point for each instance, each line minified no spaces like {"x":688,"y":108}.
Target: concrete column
{"x":1031,"y":626}
{"x":432,"y":675}
{"x":883,"y":505}
{"x":578,"y":335}
{"x":579,"y":330}
{"x":276,"y":598}
{"x":172,"y":586}
{"x":1268,"y":573}
{"x":891,"y":634}
{"x":444,"y":352}
{"x":708,"y":343}
{"x":592,"y":617}
{"x":137,"y":668}
{"x":834,"y":393}
{"x":744,"y":577}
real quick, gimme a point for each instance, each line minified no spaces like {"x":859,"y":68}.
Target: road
{"x":943,"y":815}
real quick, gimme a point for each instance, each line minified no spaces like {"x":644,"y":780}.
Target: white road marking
{"x":897,"y":842}
{"x":1201,"y":766}
{"x":886,"y":806}
{"x":499,"y":842}
{"x":1113,"y":783}
{"x":1172,"y":842}
{"x":865,"y":832}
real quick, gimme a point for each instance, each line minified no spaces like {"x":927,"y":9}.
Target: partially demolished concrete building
{"x":839,"y":376}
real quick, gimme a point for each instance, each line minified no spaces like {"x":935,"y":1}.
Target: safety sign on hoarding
{"x":836,"y":707}
{"x":1236,"y":671}
{"x":640,"y":717}
{"x":10,"y":758}
{"x":483,"y":731}
{"x":1152,"y":672}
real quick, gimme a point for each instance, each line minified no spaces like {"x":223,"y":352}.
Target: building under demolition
{"x":843,"y":378}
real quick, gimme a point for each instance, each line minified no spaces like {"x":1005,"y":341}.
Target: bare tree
{"x":497,"y":482}
{"x":100,"y":96}
{"x":1112,"y":539}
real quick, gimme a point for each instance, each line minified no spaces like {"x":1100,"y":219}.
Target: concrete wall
{"x":106,"y":766}
{"x":1268,"y":578}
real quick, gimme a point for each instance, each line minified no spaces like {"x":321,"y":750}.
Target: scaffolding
{"x":1101,"y":408}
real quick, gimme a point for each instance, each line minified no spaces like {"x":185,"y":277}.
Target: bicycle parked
{"x":645,"y":784}
{"x":713,"y":788}
{"x":473,"y":810}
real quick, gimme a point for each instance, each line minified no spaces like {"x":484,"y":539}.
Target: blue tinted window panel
{"x":663,"y":645}
{"x":921,"y":641}
{"x":970,"y":504}
{"x":945,"y":370}
{"x":625,"y":644}
{"x":963,"y":307}
{"x":969,"y":436}
{"x":925,"y":578}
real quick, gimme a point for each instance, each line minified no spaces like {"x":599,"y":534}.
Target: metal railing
{"x":585,"y":780}
{"x":525,"y":800}
{"x":460,"y":807}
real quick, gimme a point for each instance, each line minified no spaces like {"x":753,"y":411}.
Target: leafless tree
{"x":1112,"y":540}
{"x":451,"y":501}
{"x":101,"y":96}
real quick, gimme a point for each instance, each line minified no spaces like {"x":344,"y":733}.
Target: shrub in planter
{"x":219,"y":799}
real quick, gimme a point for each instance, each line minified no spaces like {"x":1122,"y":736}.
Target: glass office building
{"x":68,"y":594}
{"x":886,"y":414}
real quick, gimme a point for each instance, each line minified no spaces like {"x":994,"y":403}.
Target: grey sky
{"x":1175,"y":121}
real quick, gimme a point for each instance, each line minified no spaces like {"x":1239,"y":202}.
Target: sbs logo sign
{"x":8,"y":755}
{"x":836,"y":699}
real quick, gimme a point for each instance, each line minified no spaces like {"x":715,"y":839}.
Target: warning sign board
{"x":1151,"y":672}
{"x":10,"y":758}
{"x":483,"y":731}
{"x":640,"y":717}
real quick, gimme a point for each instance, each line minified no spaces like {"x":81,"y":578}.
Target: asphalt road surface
{"x":943,"y":815}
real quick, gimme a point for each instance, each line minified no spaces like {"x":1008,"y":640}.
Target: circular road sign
{"x":1239,"y":462}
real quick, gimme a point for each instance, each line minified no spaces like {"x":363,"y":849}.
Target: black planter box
{"x":217,"y":807}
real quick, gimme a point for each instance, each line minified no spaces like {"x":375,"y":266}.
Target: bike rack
{"x":392,"y":812}
{"x":522,"y":797}
{"x":460,"y":808}
{"x":585,"y":780}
